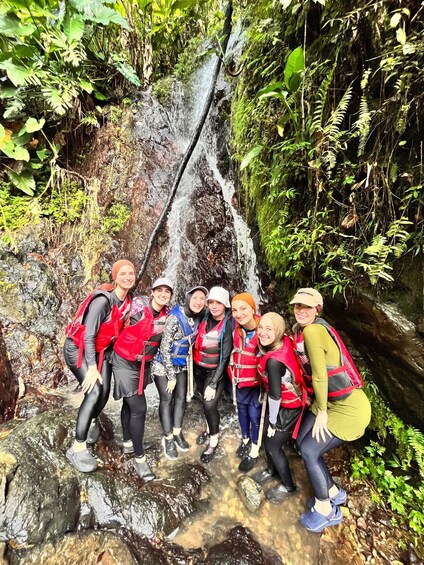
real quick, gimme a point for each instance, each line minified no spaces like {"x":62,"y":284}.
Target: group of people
{"x":305,"y":387}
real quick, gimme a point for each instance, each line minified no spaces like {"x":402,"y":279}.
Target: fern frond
{"x":318,"y":117}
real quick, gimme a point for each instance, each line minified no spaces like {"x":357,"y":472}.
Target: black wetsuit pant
{"x":172,"y":404}
{"x":203,"y":378}
{"x":133,"y":418}
{"x":312,"y":453}
{"x":94,"y":402}
{"x":277,"y":459}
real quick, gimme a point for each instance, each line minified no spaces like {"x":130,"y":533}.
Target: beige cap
{"x":220,"y":295}
{"x":308,"y":296}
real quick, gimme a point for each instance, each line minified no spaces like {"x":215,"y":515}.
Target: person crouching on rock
{"x":340,"y":410}
{"x":282,"y":379}
{"x":133,"y":352}
{"x":172,"y":368}
{"x":211,"y":354}
{"x":243,"y":373}
{"x":87,"y":349}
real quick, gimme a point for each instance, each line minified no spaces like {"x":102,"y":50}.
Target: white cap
{"x":220,"y":294}
{"x":163,"y":281}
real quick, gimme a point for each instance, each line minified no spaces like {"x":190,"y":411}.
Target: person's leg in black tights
{"x":312,"y":453}
{"x":278,"y":459}
{"x":180,"y":395}
{"x":210,"y":408}
{"x":165,"y":404}
{"x":125,"y":420}
{"x":93,"y":402}
{"x":137,"y":407}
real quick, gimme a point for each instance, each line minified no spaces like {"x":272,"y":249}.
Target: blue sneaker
{"x":315,"y":522}
{"x":338,"y":500}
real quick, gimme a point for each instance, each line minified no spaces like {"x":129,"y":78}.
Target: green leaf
{"x":16,"y":74}
{"x":254,"y":152}
{"x":126,"y":70}
{"x":295,"y":65}
{"x":401,"y":35}
{"x":270,"y":90}
{"x":11,"y":26}
{"x":32,"y":125}
{"x":2,"y":133}
{"x":395,"y":19}
{"x":104,"y":15}
{"x":73,"y":28}
{"x":41,"y":154}
{"x":87,"y":86}
{"x":8,"y":92}
{"x":24,"y":181}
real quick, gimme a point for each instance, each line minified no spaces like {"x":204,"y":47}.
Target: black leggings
{"x":277,"y":459}
{"x":210,"y":407}
{"x":172,"y":404}
{"x":312,"y":452}
{"x":133,"y":418}
{"x":94,"y":402}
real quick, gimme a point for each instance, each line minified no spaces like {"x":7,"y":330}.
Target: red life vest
{"x":341,"y":380}
{"x":293,"y":393}
{"x":108,"y":330}
{"x":244,"y":360}
{"x":207,"y":347}
{"x":132,"y":340}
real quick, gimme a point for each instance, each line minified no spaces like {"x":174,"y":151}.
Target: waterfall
{"x":185,"y":108}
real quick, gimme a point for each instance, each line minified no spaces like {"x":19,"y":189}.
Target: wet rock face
{"x":393,"y":348}
{"x":240,"y":547}
{"x":8,"y":384}
{"x":42,"y":497}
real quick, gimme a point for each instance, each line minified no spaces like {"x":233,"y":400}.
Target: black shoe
{"x":82,"y":461}
{"x":208,"y":454}
{"x":243,"y":449}
{"x":181,"y":442}
{"x":202,"y":438}
{"x":169,"y":448}
{"x":263,"y":477}
{"x":247,"y":464}
{"x":279,"y":493}
{"x":143,"y":471}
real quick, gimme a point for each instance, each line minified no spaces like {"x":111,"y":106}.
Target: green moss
{"x":162,"y":89}
{"x":116,"y":217}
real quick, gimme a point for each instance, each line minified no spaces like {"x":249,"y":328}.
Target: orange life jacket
{"x":244,"y":360}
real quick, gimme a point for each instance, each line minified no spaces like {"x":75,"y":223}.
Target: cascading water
{"x":185,"y":109}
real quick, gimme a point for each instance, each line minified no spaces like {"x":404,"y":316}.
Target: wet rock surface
{"x":8,"y":384}
{"x":250,"y":493}
{"x":240,"y":547}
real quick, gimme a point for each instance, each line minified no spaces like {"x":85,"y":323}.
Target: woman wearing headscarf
{"x":173,"y":366}
{"x":281,"y":375}
{"x":133,"y":352}
{"x":87,"y":348}
{"x":211,"y":354}
{"x":243,"y":373}
{"x":340,"y":410}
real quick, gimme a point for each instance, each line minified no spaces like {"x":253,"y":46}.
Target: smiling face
{"x":243,"y":313}
{"x":161,"y":296}
{"x":197,"y":301}
{"x":217,"y":309}
{"x":125,"y":279}
{"x":305,"y":315}
{"x":266,"y":332}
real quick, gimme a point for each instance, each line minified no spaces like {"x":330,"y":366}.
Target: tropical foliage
{"x":326,"y":130}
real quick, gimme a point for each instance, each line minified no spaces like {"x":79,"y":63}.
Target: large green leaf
{"x":294,"y":67}
{"x":23,"y":180}
{"x":104,"y":15}
{"x":11,"y":26}
{"x":125,"y":69}
{"x":32,"y":124}
{"x":254,"y":152}
{"x":17,"y":74}
{"x":73,"y":27}
{"x":15,"y":152}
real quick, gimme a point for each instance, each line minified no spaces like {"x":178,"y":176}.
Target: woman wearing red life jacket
{"x":211,"y":354}
{"x":281,"y":376}
{"x":243,"y":373}
{"x":173,"y":367}
{"x":87,"y":347}
{"x":340,"y":410}
{"x":133,"y":353}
